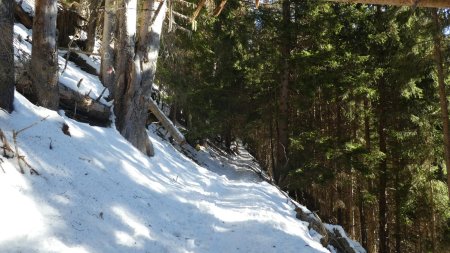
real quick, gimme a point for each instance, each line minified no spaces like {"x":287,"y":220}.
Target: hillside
{"x":92,"y":191}
{"x":96,"y":193}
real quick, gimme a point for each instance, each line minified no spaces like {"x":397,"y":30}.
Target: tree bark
{"x":442,"y":92}
{"x":91,"y":29}
{"x":107,"y":73}
{"x":44,"y":58}
{"x":6,"y":55}
{"x":283,"y":131}
{"x":420,"y":3}
{"x":135,"y":78}
{"x":382,"y":176}
{"x":397,"y":227}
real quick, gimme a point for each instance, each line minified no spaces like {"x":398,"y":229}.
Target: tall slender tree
{"x":44,"y":57}
{"x":283,"y":99}
{"x":438,"y":60}
{"x":136,"y":69}
{"x":6,"y":55}
{"x":107,"y":72}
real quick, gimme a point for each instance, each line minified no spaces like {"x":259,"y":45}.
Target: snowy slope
{"x":69,"y":77}
{"x":96,"y":193}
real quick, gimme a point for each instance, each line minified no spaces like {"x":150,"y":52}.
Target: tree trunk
{"x":362,"y":205}
{"x":107,"y":73}
{"x":6,"y":55}
{"x":137,"y":70}
{"x":44,"y":58}
{"x":91,"y":29}
{"x":283,"y":131}
{"x":167,"y":124}
{"x":382,"y":177}
{"x":442,"y":93}
{"x":398,"y":198}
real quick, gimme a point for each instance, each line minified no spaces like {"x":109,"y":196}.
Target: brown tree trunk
{"x":283,"y":131}
{"x":362,"y":219}
{"x":397,"y":228}
{"x":382,"y":176}
{"x":362,"y":205}
{"x":44,"y":58}
{"x":91,"y":28}
{"x":107,"y":73}
{"x":442,"y":93}
{"x":6,"y":55}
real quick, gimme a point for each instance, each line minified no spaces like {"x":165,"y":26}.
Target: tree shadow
{"x":97,"y":193}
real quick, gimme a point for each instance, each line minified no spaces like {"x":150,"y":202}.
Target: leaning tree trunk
{"x":44,"y":58}
{"x":283,"y":134}
{"x":107,"y":64}
{"x":6,"y":55}
{"x":442,"y":92}
{"x":135,"y":81}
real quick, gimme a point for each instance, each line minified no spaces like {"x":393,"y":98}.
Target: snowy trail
{"x":96,"y":193}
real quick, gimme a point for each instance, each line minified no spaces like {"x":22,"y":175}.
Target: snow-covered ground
{"x":96,"y":193}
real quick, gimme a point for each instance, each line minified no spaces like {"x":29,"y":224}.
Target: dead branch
{"x":168,"y":125}
{"x":7,"y":150}
{"x":72,"y":50}
{"x":157,"y":12}
{"x":32,"y":125}
{"x":17,"y":152}
{"x":1,"y":167}
{"x":177,"y":14}
{"x":101,"y":95}
{"x":79,"y":83}
{"x":198,"y":9}
{"x":219,"y":8}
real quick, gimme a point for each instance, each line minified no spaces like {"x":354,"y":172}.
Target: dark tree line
{"x":344,"y":105}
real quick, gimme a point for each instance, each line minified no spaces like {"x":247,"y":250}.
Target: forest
{"x":344,"y":105}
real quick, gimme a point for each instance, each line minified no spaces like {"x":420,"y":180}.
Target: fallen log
{"x":22,"y":16}
{"x":83,"y":107}
{"x":166,"y":123}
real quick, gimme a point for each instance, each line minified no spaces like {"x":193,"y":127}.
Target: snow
{"x":27,"y":6}
{"x":71,"y":76}
{"x":131,"y":17}
{"x":97,"y":193}
{"x":356,"y":246}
